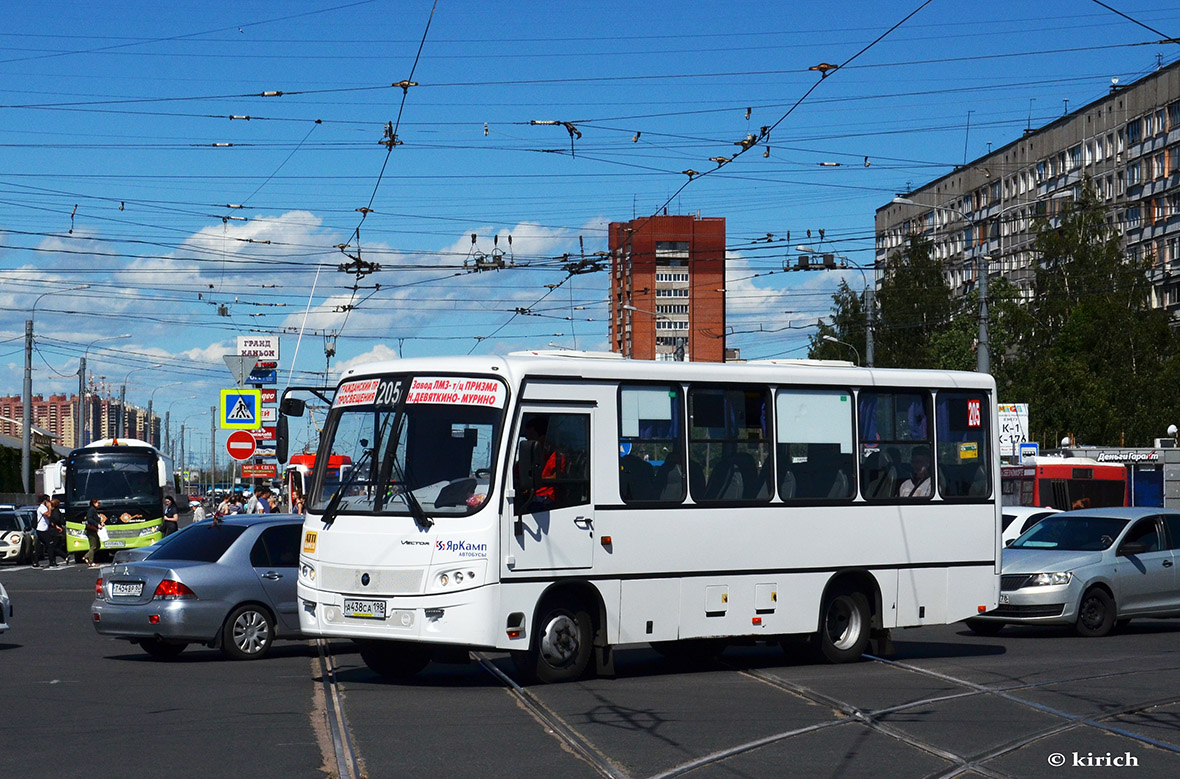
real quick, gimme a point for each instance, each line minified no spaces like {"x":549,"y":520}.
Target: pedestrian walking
{"x":41,"y":540}
{"x":199,"y":512}
{"x":94,"y":522}
{"x":171,"y":516}
{"x":57,"y":533}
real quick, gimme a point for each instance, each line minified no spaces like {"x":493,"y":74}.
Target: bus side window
{"x":894,"y":425}
{"x":651,"y":444}
{"x":964,"y":450}
{"x":729,"y":443}
{"x":552,"y":468}
{"x":814,"y":446}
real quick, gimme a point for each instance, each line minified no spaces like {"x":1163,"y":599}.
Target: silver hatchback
{"x":1091,"y":569}
{"x":230,"y":585}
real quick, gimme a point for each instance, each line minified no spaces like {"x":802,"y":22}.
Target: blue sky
{"x":119,"y":162}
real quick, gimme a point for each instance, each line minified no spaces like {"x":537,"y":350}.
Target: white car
{"x":5,"y":609}
{"x":16,"y":537}
{"x":1018,"y":519}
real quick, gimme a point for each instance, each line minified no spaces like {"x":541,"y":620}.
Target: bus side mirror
{"x":292,"y":407}
{"x":281,"y":440}
{"x":289,"y":407}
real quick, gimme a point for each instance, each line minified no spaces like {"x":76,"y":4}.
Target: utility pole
{"x":983,"y":358}
{"x":26,"y":414}
{"x":212,"y":445}
{"x":80,"y":428}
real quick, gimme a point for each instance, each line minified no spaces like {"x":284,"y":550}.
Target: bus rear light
{"x":756,"y":621}
{"x":606,"y":542}
{"x":511,"y":633}
{"x":981,"y":609}
{"x":170,"y":589}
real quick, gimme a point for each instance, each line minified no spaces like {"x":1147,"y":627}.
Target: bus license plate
{"x":130,"y":589}
{"x":114,"y":544}
{"x":365,"y":609}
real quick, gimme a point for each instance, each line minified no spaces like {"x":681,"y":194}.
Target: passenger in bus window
{"x":918,"y":485}
{"x":535,"y":431}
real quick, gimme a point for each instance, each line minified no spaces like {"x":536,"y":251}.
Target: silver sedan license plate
{"x":127,"y":589}
{"x":365,"y":609}
{"x":1003,"y":599}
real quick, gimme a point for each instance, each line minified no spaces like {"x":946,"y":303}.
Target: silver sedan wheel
{"x":251,"y":632}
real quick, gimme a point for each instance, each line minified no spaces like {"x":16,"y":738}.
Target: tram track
{"x":347,"y":765}
{"x":597,"y":759}
{"x":342,"y":747}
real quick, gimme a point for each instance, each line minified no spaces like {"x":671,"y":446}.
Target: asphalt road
{"x":947,"y":703}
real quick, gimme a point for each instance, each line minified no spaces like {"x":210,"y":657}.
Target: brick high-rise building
{"x":668,"y":288}
{"x":58,"y":415}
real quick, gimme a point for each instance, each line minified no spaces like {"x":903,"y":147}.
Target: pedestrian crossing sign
{"x":240,"y":409}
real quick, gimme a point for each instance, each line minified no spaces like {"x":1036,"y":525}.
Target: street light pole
{"x":151,"y":400}
{"x":834,"y":340}
{"x":168,"y":425}
{"x":870,"y":302}
{"x":26,"y":440}
{"x":82,"y":416}
{"x":123,"y":397}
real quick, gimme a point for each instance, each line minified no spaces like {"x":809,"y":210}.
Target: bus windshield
{"x":128,"y":476}
{"x":434,"y":437}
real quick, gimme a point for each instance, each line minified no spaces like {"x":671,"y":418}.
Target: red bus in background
{"x":297,"y":474}
{"x":1064,"y":483}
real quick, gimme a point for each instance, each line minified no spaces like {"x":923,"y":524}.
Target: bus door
{"x":550,"y":513}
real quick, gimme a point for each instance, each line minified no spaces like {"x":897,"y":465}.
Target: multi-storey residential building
{"x":1127,"y":143}
{"x":58,"y":415}
{"x":668,"y":288}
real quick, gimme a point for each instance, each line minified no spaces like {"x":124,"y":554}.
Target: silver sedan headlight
{"x":1046,"y":579}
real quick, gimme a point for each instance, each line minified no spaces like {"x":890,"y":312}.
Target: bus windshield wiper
{"x":333,"y":507}
{"x":420,"y":517}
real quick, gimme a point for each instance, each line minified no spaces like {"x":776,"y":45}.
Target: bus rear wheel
{"x":394,"y":660}
{"x":844,"y":626}
{"x":561,"y":646}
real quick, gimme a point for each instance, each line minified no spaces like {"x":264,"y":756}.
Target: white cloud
{"x":378,"y":353}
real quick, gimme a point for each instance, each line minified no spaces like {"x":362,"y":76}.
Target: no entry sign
{"x":241,"y":445}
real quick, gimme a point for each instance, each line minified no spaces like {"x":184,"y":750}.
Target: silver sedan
{"x":1092,"y":569}
{"x":230,"y":585}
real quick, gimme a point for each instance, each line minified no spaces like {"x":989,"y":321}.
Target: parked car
{"x":1092,"y":569}
{"x":16,"y":537}
{"x":5,"y":609}
{"x":1019,"y":519}
{"x":230,"y":585}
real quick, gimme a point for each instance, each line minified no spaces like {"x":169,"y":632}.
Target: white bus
{"x":559,"y":505}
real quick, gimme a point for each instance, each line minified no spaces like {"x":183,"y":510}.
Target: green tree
{"x":848,"y":325}
{"x":1095,"y":360}
{"x":914,"y":307}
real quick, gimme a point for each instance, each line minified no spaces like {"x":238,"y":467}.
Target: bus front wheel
{"x":561,"y":646}
{"x":394,"y":660}
{"x":844,"y":626}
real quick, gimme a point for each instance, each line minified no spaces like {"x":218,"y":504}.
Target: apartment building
{"x":668,"y":288}
{"x":982,"y":213}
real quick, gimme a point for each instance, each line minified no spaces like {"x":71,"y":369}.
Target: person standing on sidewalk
{"x":171,"y":516}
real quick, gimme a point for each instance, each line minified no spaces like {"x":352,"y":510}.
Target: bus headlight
{"x":458,"y":577}
{"x":1048,"y":579}
{"x":307,"y":572}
